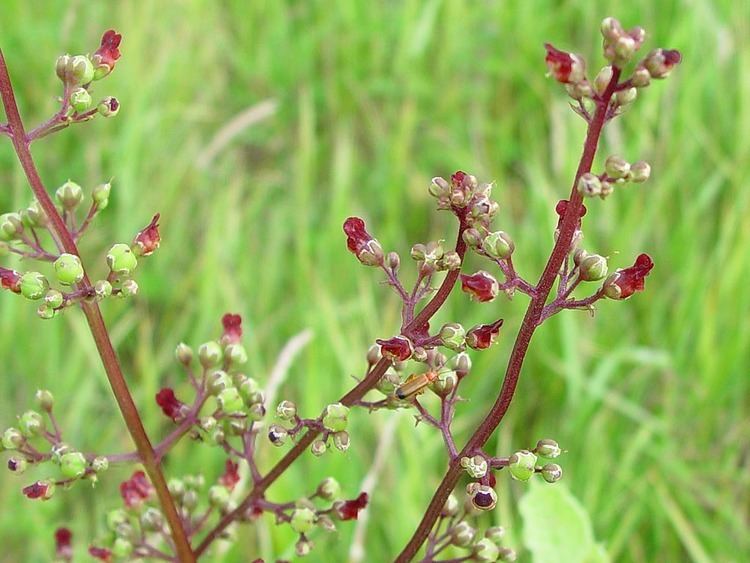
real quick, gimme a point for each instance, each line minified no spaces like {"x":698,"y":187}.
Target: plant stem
{"x":65,"y":242}
{"x":530,"y":322}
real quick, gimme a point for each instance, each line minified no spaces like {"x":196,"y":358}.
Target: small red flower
{"x":349,"y":510}
{"x":232,"y":328}
{"x":482,"y":286}
{"x":100,"y":553}
{"x":396,"y":349}
{"x":10,"y":279}
{"x":40,"y":490}
{"x":108,"y":52}
{"x":147,"y":241}
{"x":231,"y":475}
{"x":63,"y":546}
{"x":458,"y":177}
{"x":560,"y":209}
{"x":136,"y":489}
{"x":624,"y":283}
{"x":361,"y":243}
{"x":483,"y":336}
{"x":564,"y":67}
{"x":170,"y":405}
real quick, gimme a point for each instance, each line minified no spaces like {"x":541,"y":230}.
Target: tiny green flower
{"x":498,"y":245}
{"x":453,"y":336}
{"x":335,"y":417}
{"x":593,"y":268}
{"x":121,"y":259}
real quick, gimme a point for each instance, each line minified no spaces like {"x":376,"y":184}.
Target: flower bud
{"x":373,"y":355}
{"x":80,"y":100}
{"x":393,"y":261}
{"x":341,"y":441}
{"x":210,"y":354}
{"x":616,"y":167}
{"x":69,"y":195}
{"x":251,"y":392}
{"x":589,"y":185}
{"x":507,"y":554}
{"x":100,"y":195}
{"x":45,"y":312}
{"x":235,"y":354}
{"x":451,"y":506}
{"x":230,"y":401}
{"x":498,"y":245}
{"x":176,"y":488}
{"x":475,"y":466}
{"x":78,"y":70}
{"x":640,"y":172}
{"x":256,"y":412}
{"x":335,"y":417}
{"x":303,"y":520}
{"x":495,"y":534}
{"x":17,"y":465}
{"x":462,"y":534}
{"x":128,"y":288}
{"x":31,"y":424}
{"x":54,"y":299}
{"x":547,"y":448}
{"x":439,"y":187}
{"x":418,"y":252}
{"x":485,"y":550}
{"x":449,"y":262}
{"x":33,"y":285}
{"x":481,"y":286}
{"x":483,"y":497}
{"x":625,"y":47}
{"x":68,"y":269}
{"x":12,"y":439}
{"x":329,"y":489}
{"x":641,"y":77}
{"x":33,"y":215}
{"x":45,"y":400}
{"x":207,"y":423}
{"x":277,"y":435}
{"x":660,"y":62}
{"x":190,"y":500}
{"x":152,"y":520}
{"x":593,"y":268}
{"x":473,"y":238}
{"x":102,"y":289}
{"x":444,"y":384}
{"x":73,"y":465}
{"x":108,"y":107}
{"x":11,"y":225}
{"x":521,"y":465}
{"x":318,"y":448}
{"x":326,"y":523}
{"x":217,"y":381}
{"x":218,"y":496}
{"x":552,"y":472}
{"x":286,"y":410}
{"x":121,"y":259}
{"x":603,"y":79}
{"x":218,"y":436}
{"x":453,"y":336}
{"x":627,"y":96}
{"x":303,"y":547}
{"x":184,"y":354}
{"x":99,"y":464}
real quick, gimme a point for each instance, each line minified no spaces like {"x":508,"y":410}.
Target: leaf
{"x":556,"y":528}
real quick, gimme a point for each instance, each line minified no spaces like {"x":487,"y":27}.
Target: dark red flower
{"x":63,"y":546}
{"x":170,"y":404}
{"x":482,"y":286}
{"x":39,"y":490}
{"x":101,"y":553}
{"x":624,"y":283}
{"x":232,"y":328}
{"x":348,"y":510}
{"x":231,"y":475}
{"x":148,"y":239}
{"x":560,"y":209}
{"x":361,"y":243}
{"x":136,"y":489}
{"x":564,"y":67}
{"x":396,"y":349}
{"x":108,"y":52}
{"x":458,"y":177}
{"x":483,"y":336}
{"x":10,"y":279}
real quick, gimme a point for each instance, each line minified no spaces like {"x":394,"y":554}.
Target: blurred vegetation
{"x":650,"y":398}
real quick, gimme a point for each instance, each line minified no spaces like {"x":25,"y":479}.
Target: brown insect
{"x":415,"y":384}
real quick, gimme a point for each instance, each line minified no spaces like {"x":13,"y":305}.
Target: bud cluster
{"x":617,"y":172}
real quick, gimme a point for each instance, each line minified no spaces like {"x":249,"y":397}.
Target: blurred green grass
{"x":650,"y":398}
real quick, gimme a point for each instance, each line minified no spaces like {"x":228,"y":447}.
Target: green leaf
{"x":556,"y":528}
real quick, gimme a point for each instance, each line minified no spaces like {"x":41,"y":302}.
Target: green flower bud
{"x":31,"y":424}
{"x":256,"y":412}
{"x":218,"y":496}
{"x":236,"y":354}
{"x":329,"y":489}
{"x":54,"y":299}
{"x":449,"y":262}
{"x":473,"y":238}
{"x":33,"y":285}
{"x":33,"y":215}
{"x":462,"y":534}
{"x":190,"y":500}
{"x":236,"y":426}
{"x":45,"y":400}
{"x":121,"y":259}
{"x":388,"y":383}
{"x":217,"y":381}
{"x":207,"y":423}
{"x":626,"y":97}
{"x":184,"y":354}
{"x":521,"y":465}
{"x":277,"y":435}
{"x":303,"y":547}
{"x":318,"y":448}
{"x":176,"y":488}
{"x":485,"y":550}
{"x":100,"y":195}
{"x":73,"y":465}
{"x":552,"y":472}
{"x":641,"y":77}
{"x":79,"y":70}
{"x":547,"y":448}
{"x":475,"y":466}
{"x":498,"y":245}
{"x":603,"y":79}
{"x":439,"y":188}
{"x":122,"y":548}
{"x":453,"y":336}
{"x":445,"y":383}
{"x":341,"y":441}
{"x":593,"y":268}
{"x":640,"y":171}
{"x":12,"y":439}
{"x":45,"y":312}
{"x":589,"y":185}
{"x":11,"y":226}
{"x":616,"y":167}
{"x":210,"y":354}
{"x":218,"y":437}
{"x":152,"y":519}
{"x":286,"y":410}
{"x":80,"y":100}
{"x":99,"y":464}
{"x":373,"y":354}
{"x":68,"y":269}
{"x":230,"y":401}
{"x":129,"y":288}
{"x":507,"y":554}
{"x":461,"y":363}
{"x":109,"y":107}
{"x":102,"y":289}
{"x":393,"y":261}
{"x":326,"y":523}
{"x":61,"y":66}
{"x":59,"y":450}
{"x":303,"y":520}
{"x":335,"y":417}
{"x":18,"y":465}
{"x":495,"y":534}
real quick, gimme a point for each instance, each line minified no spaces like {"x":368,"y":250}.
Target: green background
{"x":649,"y":398}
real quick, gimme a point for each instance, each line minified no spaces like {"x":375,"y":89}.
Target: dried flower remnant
{"x":564,"y":67}
{"x":40,"y":490}
{"x":231,"y":475}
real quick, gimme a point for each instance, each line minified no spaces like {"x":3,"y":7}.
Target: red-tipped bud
{"x":10,"y":279}
{"x":40,"y":490}
{"x":624,"y":283}
{"x":560,"y":209}
{"x":396,"y":349}
{"x":107,"y":54}
{"x":100,"y":553}
{"x":482,"y":286}
{"x":361,"y":243}
{"x":170,"y":405}
{"x":232,"y":328}
{"x":564,"y":67}
{"x":63,"y":544}
{"x":231,"y":475}
{"x":136,"y":489}
{"x":660,"y":62}
{"x":147,"y":241}
{"x":349,"y":510}
{"x":482,"y":337}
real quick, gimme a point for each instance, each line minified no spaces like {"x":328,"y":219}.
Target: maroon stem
{"x":65,"y":242}
{"x":528,"y":326}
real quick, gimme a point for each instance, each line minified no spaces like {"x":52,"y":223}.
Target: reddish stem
{"x":530,"y":322}
{"x":65,"y":242}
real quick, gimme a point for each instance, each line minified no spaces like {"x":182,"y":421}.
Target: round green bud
{"x":79,"y":70}
{"x":45,"y":399}
{"x":445,"y":383}
{"x":184,"y":354}
{"x":152,"y":519}
{"x":102,"y":289}
{"x":210,"y":354}
{"x":116,"y":518}
{"x":54,"y":299}
{"x":122,"y":548}
{"x":373,"y":354}
{"x":495,"y":534}
{"x":303,"y":520}
{"x":31,"y":424}
{"x":217,"y":381}
{"x":218,"y":436}
{"x":388,"y":383}
{"x":393,"y":261}
{"x":593,"y":268}
{"x":627,"y":96}
{"x":616,"y":167}
{"x":80,"y":99}
{"x":335,"y":417}
{"x":230,"y":401}
{"x":236,"y":354}
{"x":640,"y":171}
{"x":218,"y":496}
{"x":286,"y":410}
{"x":59,"y":450}
{"x":547,"y":448}
{"x":121,"y":259}
{"x":318,"y":448}
{"x":250,"y":391}
{"x":33,"y":215}
{"x":507,"y":554}
{"x":99,"y":464}
{"x":641,"y":77}
{"x":176,"y":488}
{"x":73,"y":465}
{"x":418,"y":252}
{"x":552,"y":473}
{"x":451,"y":506}
{"x":475,"y":466}
{"x":129,"y":288}
{"x":439,"y":187}
{"x":277,"y":435}
{"x":303,"y":547}
{"x":449,"y":262}
{"x":341,"y":441}
{"x":11,"y":226}
{"x":603,"y":79}
{"x":68,"y":269}
{"x":453,"y":336}
{"x":61,"y":65}
{"x":498,"y":245}
{"x":473,"y":238}
{"x":12,"y":439}
{"x":329,"y":489}
{"x":461,"y":363}
{"x":70,"y":194}
{"x":486,"y":550}
{"x":462,"y":534}
{"x":100,"y":195}
{"x":190,"y":500}
{"x":589,"y":185}
{"x":18,"y":465}
{"x":33,"y":285}
{"x":256,"y":412}
{"x":521,"y":465}
{"x":45,"y":312}
{"x":108,"y":107}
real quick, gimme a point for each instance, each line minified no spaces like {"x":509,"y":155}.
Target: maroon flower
{"x":624,"y":283}
{"x":136,"y":489}
{"x":108,"y":52}
{"x":560,"y":209}
{"x":40,"y":490}
{"x":101,"y":553}
{"x":458,"y":177}
{"x":10,"y":279}
{"x":63,"y":547}
{"x":564,"y":67}
{"x":483,"y":336}
{"x":170,"y":404}
{"x":231,"y":475}
{"x":396,"y":349}
{"x":148,"y":239}
{"x":348,"y":510}
{"x":361,"y":243}
{"x":232,"y":328}
{"x":660,"y":62}
{"x":482,"y":286}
